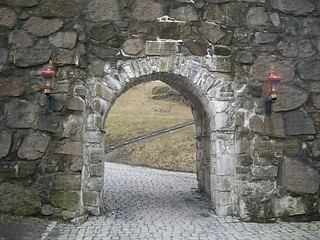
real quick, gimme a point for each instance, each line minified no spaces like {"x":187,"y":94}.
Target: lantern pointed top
{"x":272,"y":67}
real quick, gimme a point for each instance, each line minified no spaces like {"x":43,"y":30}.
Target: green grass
{"x":135,"y":114}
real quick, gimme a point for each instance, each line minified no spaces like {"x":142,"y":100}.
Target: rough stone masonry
{"x":215,"y":52}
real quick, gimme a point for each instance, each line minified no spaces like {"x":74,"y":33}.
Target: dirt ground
{"x":22,"y":228}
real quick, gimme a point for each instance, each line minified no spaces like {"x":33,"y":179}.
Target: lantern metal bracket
{"x":50,"y":102}
{"x":269,"y":103}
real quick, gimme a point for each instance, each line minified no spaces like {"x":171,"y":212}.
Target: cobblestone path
{"x":145,"y":203}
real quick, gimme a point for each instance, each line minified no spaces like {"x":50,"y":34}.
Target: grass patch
{"x":136,"y":113}
{"x":174,"y":152}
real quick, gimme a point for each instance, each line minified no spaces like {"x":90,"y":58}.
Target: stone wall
{"x":253,"y":166}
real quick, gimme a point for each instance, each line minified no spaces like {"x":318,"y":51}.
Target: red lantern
{"x":273,"y":84}
{"x":48,"y":79}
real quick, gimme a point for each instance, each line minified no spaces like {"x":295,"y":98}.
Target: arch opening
{"x":209,"y":101}
{"x":151,"y":125}
{"x":196,"y":101}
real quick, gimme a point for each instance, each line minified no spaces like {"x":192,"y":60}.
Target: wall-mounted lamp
{"x":48,"y":81}
{"x":273,"y":84}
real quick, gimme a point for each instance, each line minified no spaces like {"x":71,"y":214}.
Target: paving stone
{"x":148,"y":203}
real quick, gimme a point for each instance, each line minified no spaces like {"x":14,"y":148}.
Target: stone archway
{"x":210,"y":95}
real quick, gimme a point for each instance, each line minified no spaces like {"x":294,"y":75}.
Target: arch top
{"x":186,"y":66}
{"x":196,"y":77}
{"x":208,"y":74}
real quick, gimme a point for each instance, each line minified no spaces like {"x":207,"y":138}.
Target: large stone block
{"x":25,"y":169}
{"x":42,"y":27}
{"x":243,"y":146}
{"x":299,"y":123}
{"x":94,"y":122}
{"x":96,"y":170}
{"x":64,"y":39}
{"x":5,"y":143}
{"x":224,"y":183}
{"x":64,"y":57}
{"x":287,"y":206}
{"x":309,"y":69}
{"x":100,"y":105}
{"x":3,"y":58}
{"x":93,"y":184}
{"x":298,"y":176}
{"x":104,"y":92}
{"x":7,"y":17}
{"x":316,"y":101}
{"x":20,"y":39}
{"x":44,"y":182}
{"x":71,"y":148}
{"x":223,"y":198}
{"x":70,"y":182}
{"x":93,"y":136}
{"x":218,"y":1}
{"x":103,"y":10}
{"x":224,"y":65}
{"x":224,"y":165}
{"x":257,"y":17}
{"x":20,"y":113}
{"x":265,"y":37}
{"x":272,"y":126}
{"x":73,"y":127}
{"x":33,"y":146}
{"x":57,"y":8}
{"x":185,"y":13}
{"x":20,"y":3}
{"x":54,"y":164}
{"x":161,"y":48}
{"x":147,"y":10}
{"x":243,"y":57}
{"x":94,"y":153}
{"x":293,"y":7}
{"x":229,"y":14}
{"x":76,"y":164}
{"x":261,"y":172}
{"x":291,"y":47}
{"x":133,"y":46}
{"x":222,"y":121}
{"x":173,"y":30}
{"x":291,"y":147}
{"x":102,"y":32}
{"x":76,"y":103}
{"x":211,"y":32}
{"x":18,"y":201}
{"x":262,"y":66}
{"x":290,"y":98}
{"x":49,"y":123}
{"x":213,"y":14}
{"x":21,"y":169}
{"x":28,"y":57}
{"x":197,"y":48}
{"x":69,"y":200}
{"x":105,"y":52}
{"x":91,"y":199}
{"x":257,"y":189}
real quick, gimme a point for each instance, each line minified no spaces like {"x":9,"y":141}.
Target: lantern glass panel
{"x":47,"y":80}
{"x":274,"y":86}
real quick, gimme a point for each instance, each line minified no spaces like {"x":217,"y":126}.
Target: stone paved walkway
{"x":153,"y":204}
